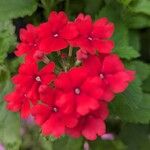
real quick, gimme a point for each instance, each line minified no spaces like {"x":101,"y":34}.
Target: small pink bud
{"x":38,"y":55}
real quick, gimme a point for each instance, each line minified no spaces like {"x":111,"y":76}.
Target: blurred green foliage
{"x":129,"y":113}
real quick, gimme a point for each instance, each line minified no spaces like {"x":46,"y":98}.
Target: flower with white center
{"x":90,"y":38}
{"x":56,"y":35}
{"x":77,"y":91}
{"x":55,"y":109}
{"x":38,"y":79}
{"x":101,"y":76}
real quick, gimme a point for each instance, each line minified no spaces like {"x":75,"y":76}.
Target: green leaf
{"x":137,"y":21}
{"x":121,"y":35}
{"x":135,"y":136}
{"x":4,"y":73}
{"x":7,"y":39}
{"x":127,"y":52}
{"x":125,"y":2}
{"x":146,"y":84}
{"x":134,"y":39}
{"x":107,"y":145}
{"x":45,"y":144}
{"x":9,"y":123}
{"x":131,"y":105}
{"x":140,"y":6}
{"x":131,"y":110}
{"x":10,"y":9}
{"x":92,"y":8}
{"x":111,"y":11}
{"x":142,"y":69}
{"x":67,"y":143}
{"x":13,"y":64}
{"x":137,"y":15}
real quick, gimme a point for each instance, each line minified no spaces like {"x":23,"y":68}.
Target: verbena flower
{"x":62,"y":97}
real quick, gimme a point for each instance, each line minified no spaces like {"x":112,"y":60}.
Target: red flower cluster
{"x":73,"y":102}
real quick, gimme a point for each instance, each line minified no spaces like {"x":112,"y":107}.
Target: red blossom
{"x":82,"y":54}
{"x":91,"y":125}
{"x":30,"y":41}
{"x":31,"y":78}
{"x":94,"y":36}
{"x":79,"y":89}
{"x":19,"y":101}
{"x":75,"y":102}
{"x":50,"y":115}
{"x":56,"y":32}
{"x":111,"y":71}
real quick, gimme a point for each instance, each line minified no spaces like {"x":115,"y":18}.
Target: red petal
{"x":47,"y":68}
{"x":84,"y":43}
{"x":85,"y":104}
{"x":108,"y":94}
{"x":66,"y":102}
{"x":112,"y":64}
{"x":74,"y":132}
{"x":70,"y":120}
{"x":13,"y":101}
{"x":24,"y":80}
{"x":46,"y":73}
{"x":69,"y":32}
{"x":33,"y":93}
{"x":41,"y":113}
{"x":93,"y":127}
{"x":25,"y":109}
{"x":93,"y":63}
{"x":55,"y":120}
{"x":63,"y":82}
{"x":84,"y":24}
{"x":103,"y":28}
{"x":49,"y":45}
{"x":103,"y":111}
{"x":81,"y":54}
{"x":45,"y":30}
{"x":77,"y":76}
{"x":57,"y":20}
{"x":92,"y":87}
{"x":131,"y":75}
{"x":118,"y":82}
{"x":30,"y":34}
{"x":47,"y":95}
{"x":103,"y":46}
{"x":22,"y":48}
{"x":28,"y":68}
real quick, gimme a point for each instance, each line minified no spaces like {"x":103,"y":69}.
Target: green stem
{"x":46,"y":60}
{"x":70,"y":51}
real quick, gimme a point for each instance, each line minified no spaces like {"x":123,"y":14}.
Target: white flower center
{"x":35,"y":45}
{"x":25,"y":95}
{"x":101,"y":76}
{"x":77,"y":91}
{"x":56,"y":35}
{"x":55,"y":109}
{"x":90,"y":38}
{"x":38,"y":79}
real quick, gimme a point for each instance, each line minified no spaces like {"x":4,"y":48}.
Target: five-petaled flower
{"x":57,"y":32}
{"x":91,"y":125}
{"x":29,"y":45}
{"x":84,"y":92}
{"x":19,"y":101}
{"x":94,"y":36}
{"x":111,"y":71}
{"x":32,"y":79}
{"x":50,"y":115}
